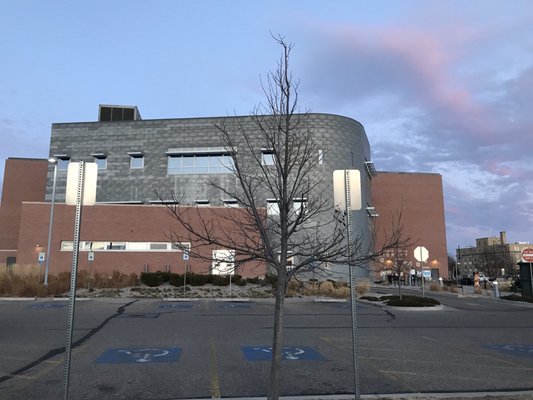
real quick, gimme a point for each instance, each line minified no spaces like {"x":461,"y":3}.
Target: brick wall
{"x":24,"y":180}
{"x":420,"y":198}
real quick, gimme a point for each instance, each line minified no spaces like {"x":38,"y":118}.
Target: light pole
{"x":53,"y":161}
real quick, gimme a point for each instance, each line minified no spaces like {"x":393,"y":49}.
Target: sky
{"x":440,"y":86}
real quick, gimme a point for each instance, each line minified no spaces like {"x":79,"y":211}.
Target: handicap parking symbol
{"x":290,"y":353}
{"x":523,"y":350}
{"x":48,"y":305}
{"x":139,"y":355}
{"x":179,"y":306}
{"x":234,"y":305}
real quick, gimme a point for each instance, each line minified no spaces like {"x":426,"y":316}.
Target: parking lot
{"x":151,"y":349}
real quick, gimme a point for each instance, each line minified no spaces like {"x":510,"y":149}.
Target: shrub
{"x":515,"y":297}
{"x":176,"y":279}
{"x":197,"y":279}
{"x":241,"y":282}
{"x":435,"y":287}
{"x":152,"y":279}
{"x":371,"y":298}
{"x":411,"y":301}
{"x":362,"y":287}
{"x":220,"y":280}
{"x":270,"y":279}
{"x":255,"y":280}
{"x":325,"y":288}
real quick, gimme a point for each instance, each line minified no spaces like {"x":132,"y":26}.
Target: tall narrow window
{"x":100,"y":159}
{"x":62,"y":162}
{"x":268,"y":156}
{"x":136,"y":160}
{"x":272,"y":207}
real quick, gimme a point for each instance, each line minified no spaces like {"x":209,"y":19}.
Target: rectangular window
{"x":67,"y":245}
{"x":100,"y":159}
{"x":320,"y":157}
{"x":268,"y":157}
{"x":158,"y":246}
{"x":299,"y":204}
{"x":199,"y":164}
{"x":62,"y":163}
{"x":116,"y":246}
{"x":101,"y":162}
{"x":230,"y":203}
{"x":272,"y":207}
{"x":290,"y":259}
{"x":136,"y":161}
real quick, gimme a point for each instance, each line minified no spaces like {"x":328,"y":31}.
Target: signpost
{"x":42,"y":256}
{"x":527,"y":257}
{"x":81,"y":190}
{"x":347,"y":196}
{"x":421,"y":255}
{"x":90,"y":258}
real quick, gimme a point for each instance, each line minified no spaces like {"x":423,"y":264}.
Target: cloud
{"x":428,"y":105}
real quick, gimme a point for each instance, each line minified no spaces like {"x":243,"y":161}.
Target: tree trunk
{"x":400,"y":287}
{"x":277,"y":341}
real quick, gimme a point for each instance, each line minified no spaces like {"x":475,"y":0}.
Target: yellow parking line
{"x":215,"y":384}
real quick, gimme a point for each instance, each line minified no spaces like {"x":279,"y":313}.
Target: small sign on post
{"x":42,"y":256}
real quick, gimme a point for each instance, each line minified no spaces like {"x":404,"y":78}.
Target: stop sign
{"x":527,"y":255}
{"x":421,"y":254}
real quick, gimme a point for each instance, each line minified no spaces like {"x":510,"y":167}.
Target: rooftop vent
{"x":118,"y":113}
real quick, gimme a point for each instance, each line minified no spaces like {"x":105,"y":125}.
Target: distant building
{"x":419,"y":198}
{"x":491,"y":255}
{"x":127,"y":228}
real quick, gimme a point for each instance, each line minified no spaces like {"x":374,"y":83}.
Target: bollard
{"x":496,"y":290}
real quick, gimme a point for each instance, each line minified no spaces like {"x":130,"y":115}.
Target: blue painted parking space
{"x":522,"y":350}
{"x":175,"y":306}
{"x":234,"y":305}
{"x":290,"y":353}
{"x":48,"y":305}
{"x":139,"y":355}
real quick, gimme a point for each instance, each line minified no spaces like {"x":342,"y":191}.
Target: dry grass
{"x":435,"y":287}
{"x":453,"y":289}
{"x":362,"y":288}
{"x":26,"y":281}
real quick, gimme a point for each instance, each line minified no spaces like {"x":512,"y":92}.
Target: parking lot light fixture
{"x":53,"y":161}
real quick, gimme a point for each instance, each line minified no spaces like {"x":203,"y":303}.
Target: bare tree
{"x":275,"y":154}
{"x":452,"y":266}
{"x":396,"y":261}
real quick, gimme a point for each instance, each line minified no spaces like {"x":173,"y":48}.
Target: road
{"x":150,"y":349}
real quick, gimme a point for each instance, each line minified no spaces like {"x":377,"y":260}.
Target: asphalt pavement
{"x":474,"y":347}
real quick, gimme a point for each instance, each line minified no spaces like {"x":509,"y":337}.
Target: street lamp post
{"x":53,"y":161}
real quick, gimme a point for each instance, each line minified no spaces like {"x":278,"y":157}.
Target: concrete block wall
{"x":345,"y":146}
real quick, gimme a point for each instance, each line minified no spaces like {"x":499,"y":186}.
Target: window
{"x":320,"y":157}
{"x":67,"y":245}
{"x":116,"y":246}
{"x":100,"y":159}
{"x":62,"y":162}
{"x":136,"y":160}
{"x":230,"y":203}
{"x":290,"y":259}
{"x":272,"y":207}
{"x":268,"y":157}
{"x":299,"y":204}
{"x":101,"y":162}
{"x":202,"y":202}
{"x":199,"y":164}
{"x":158,"y":246}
